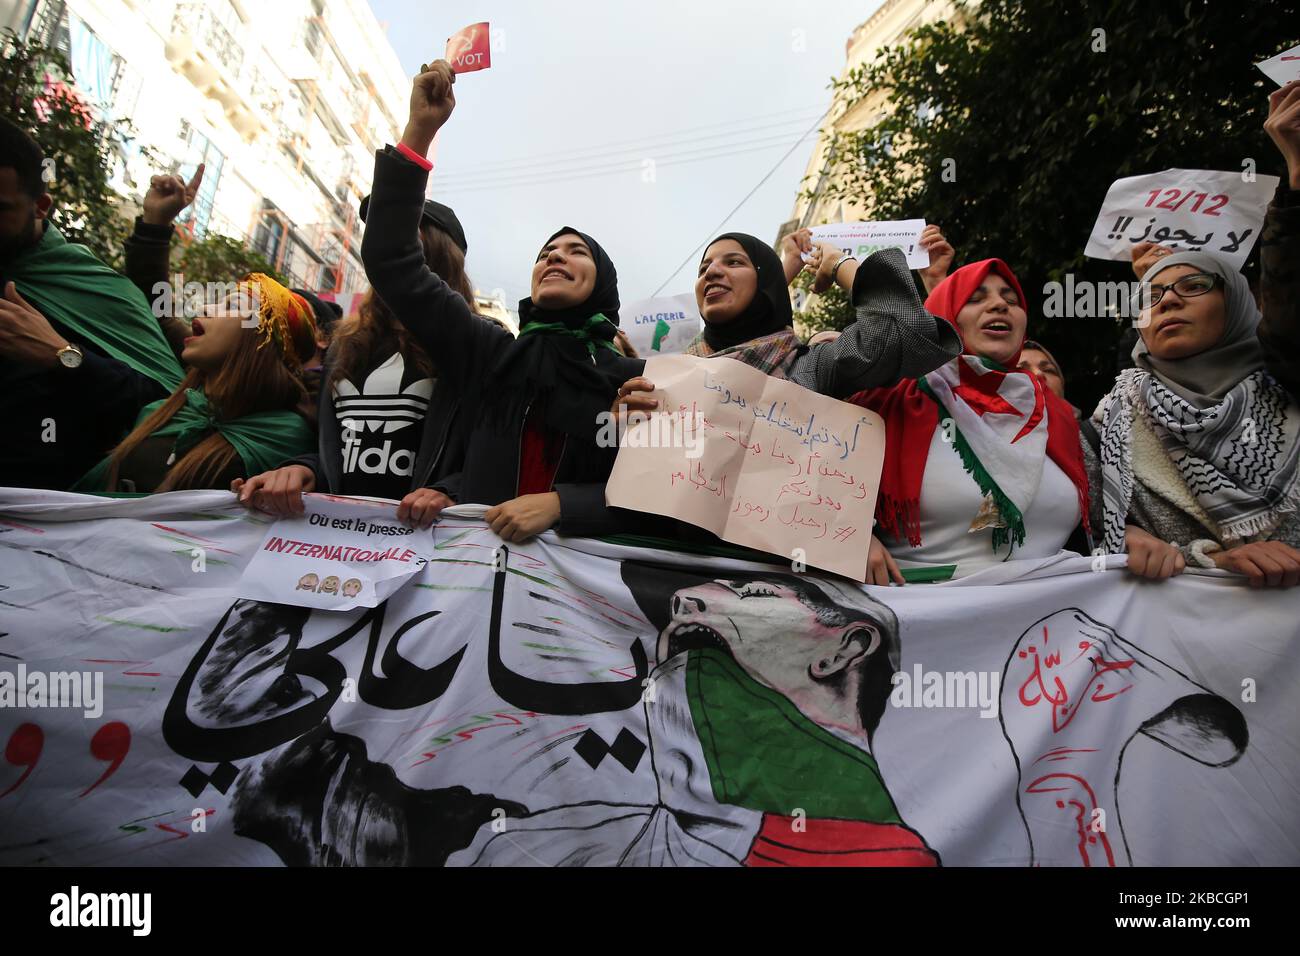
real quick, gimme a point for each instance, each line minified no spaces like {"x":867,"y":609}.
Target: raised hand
{"x":432,"y":102}
{"x":1147,"y":254}
{"x":793,"y":247}
{"x":941,"y":256}
{"x":168,"y":195}
{"x":1283,"y":127}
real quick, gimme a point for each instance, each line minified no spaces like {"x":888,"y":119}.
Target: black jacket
{"x":442,"y":445}
{"x":61,"y":422}
{"x":464,"y":348}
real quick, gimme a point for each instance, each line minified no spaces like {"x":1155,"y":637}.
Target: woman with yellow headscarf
{"x":237,"y":411}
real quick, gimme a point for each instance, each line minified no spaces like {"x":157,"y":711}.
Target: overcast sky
{"x":581,"y":94}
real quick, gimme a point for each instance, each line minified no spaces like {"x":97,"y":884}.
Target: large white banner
{"x":572,"y":702}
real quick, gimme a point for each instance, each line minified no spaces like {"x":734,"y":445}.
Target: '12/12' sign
{"x":1194,"y":210}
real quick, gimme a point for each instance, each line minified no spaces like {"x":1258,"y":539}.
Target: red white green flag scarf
{"x":999,"y":426}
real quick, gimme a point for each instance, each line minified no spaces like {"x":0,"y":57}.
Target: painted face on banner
{"x":791,"y":638}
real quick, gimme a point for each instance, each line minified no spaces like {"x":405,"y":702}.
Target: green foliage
{"x":216,"y":258}
{"x":35,"y":90}
{"x":1037,"y":124}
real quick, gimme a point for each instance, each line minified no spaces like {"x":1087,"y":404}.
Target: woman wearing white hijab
{"x":1199,"y":442}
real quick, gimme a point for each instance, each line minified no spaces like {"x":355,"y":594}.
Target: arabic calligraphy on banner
{"x":1196,"y":210}
{"x":758,"y":461}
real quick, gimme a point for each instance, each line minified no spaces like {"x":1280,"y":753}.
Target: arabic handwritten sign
{"x":341,"y":553}
{"x":662,"y":326}
{"x":1283,"y":68}
{"x":1193,"y":209}
{"x":758,"y":461}
{"x":470,"y":49}
{"x":861,"y":239}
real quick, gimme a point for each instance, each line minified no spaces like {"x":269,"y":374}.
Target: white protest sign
{"x":1192,"y":209}
{"x":662,"y":326}
{"x":1283,"y":68}
{"x":759,"y":461}
{"x":341,"y":553}
{"x":861,"y":239}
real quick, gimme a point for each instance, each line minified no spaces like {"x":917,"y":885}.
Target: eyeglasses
{"x":1188,"y":286}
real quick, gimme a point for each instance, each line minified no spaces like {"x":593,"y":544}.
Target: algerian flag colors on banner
{"x":572,"y":701}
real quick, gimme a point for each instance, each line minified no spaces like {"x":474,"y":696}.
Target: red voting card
{"x":470,"y":49}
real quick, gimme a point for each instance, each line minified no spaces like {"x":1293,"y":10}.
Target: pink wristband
{"x":414,"y":157}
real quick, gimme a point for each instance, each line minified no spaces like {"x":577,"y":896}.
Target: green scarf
{"x":583,"y":334}
{"x":68,"y":285}
{"x":264,"y":440}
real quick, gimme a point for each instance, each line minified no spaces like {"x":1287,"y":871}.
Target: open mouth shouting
{"x":690,"y":635}
{"x":196,"y":331}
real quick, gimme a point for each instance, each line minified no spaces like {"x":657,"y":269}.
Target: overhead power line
{"x":714,"y":231}
{"x":690,"y":133}
{"x":715,"y":151}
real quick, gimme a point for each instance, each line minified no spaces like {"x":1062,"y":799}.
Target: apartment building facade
{"x":886,"y":27}
{"x":285,"y":102}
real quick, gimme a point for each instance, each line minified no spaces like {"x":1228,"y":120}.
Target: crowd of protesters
{"x":1192,"y":457}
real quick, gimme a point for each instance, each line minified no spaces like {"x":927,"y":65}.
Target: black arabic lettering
{"x":539,"y":696}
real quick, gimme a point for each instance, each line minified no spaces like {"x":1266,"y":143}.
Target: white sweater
{"x":950,"y":500}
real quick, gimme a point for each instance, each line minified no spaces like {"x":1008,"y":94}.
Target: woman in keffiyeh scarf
{"x":1199,"y":443}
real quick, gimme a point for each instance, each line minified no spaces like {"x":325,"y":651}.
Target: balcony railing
{"x":199,"y":21}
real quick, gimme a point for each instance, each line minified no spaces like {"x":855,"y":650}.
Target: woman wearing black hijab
{"x":529,"y":409}
{"x":741,"y":291}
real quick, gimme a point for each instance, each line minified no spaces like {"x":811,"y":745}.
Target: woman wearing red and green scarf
{"x":236,"y":413}
{"x":982,"y":463}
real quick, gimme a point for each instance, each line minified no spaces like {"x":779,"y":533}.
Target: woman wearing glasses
{"x":1198,"y":444}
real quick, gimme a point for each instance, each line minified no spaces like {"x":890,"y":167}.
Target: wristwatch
{"x":70,"y":356}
